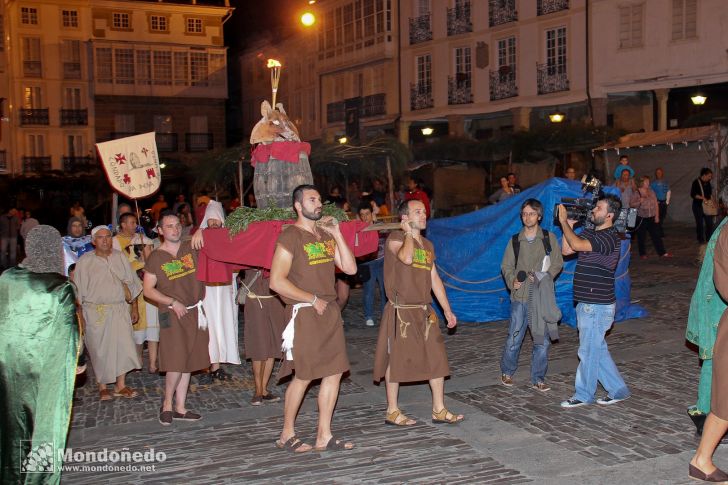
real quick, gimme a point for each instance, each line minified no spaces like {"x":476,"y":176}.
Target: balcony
{"x":166,"y":142}
{"x":420,"y":29}
{"x":374,"y":105}
{"x":552,"y":78}
{"x":34,"y":117}
{"x":421,"y":96}
{"x":335,"y":112}
{"x":79,"y":164}
{"x":458,"y":19}
{"x":3,"y":160}
{"x":501,"y":12}
{"x":71,"y":70}
{"x":32,"y":69}
{"x":74,"y":117}
{"x":459,"y":90}
{"x":545,"y":7}
{"x":36,"y":164}
{"x":198,"y":142}
{"x":503,"y":83}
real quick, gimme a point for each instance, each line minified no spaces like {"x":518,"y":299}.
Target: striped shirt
{"x":594,"y":274}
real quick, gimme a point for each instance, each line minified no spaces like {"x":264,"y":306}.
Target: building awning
{"x":667,"y":137}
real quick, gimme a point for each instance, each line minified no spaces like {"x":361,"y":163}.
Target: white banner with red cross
{"x":132,"y":165}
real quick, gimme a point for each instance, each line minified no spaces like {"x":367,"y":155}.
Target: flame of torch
{"x":275,"y":76}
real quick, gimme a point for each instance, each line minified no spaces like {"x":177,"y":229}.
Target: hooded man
{"x":37,"y":359}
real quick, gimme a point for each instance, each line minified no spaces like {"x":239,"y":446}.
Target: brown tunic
{"x":719,"y":392}
{"x":183,"y":347}
{"x":319,"y":348}
{"x":264,"y":321}
{"x":409,"y":353}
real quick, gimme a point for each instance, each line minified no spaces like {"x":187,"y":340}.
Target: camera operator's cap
{"x":97,"y":229}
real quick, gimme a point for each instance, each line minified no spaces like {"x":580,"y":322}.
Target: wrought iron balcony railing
{"x":501,"y":12}
{"x":459,"y":90}
{"x":71,"y":70}
{"x":32,"y":69}
{"x":373,"y":105}
{"x":79,"y":164}
{"x":74,"y":117}
{"x":115,"y":135}
{"x":421,"y":96}
{"x":198,"y":142}
{"x":3,"y":160}
{"x":552,"y":78}
{"x":545,"y":7}
{"x":503,"y":83}
{"x":166,"y":142}
{"x":34,"y":117}
{"x":335,"y":112}
{"x":459,"y":20}
{"x":420,"y":29}
{"x":36,"y":164}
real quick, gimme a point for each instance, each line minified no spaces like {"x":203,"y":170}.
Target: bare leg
{"x":181,"y":392}
{"x":328,"y":394}
{"x":294,"y":397}
{"x":438,"y":396}
{"x":713,"y":431}
{"x":170,"y":385}
{"x":392,"y":393}
{"x":265,"y":378}
{"x":153,"y":348}
{"x":140,"y":351}
{"x":258,"y":376}
{"x":214,"y":367}
{"x":120,"y":382}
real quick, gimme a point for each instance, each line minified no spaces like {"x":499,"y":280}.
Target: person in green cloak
{"x":706,"y":308}
{"x":38,"y":352}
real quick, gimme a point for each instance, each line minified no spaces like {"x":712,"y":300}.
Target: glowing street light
{"x":308,"y":19}
{"x":343,"y":140}
{"x":427,"y":130}
{"x":557,"y":117}
{"x":698,"y":99}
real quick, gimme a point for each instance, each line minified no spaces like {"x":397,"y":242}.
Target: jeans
{"x":376,"y":277}
{"x":512,"y":347}
{"x":596,"y":365}
{"x":8,"y":248}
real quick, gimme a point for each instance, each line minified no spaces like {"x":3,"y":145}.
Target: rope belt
{"x":290,"y":331}
{"x":404,"y":324}
{"x":201,"y":315}
{"x":251,"y":294}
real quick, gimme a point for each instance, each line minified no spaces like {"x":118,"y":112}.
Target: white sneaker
{"x":369,"y":322}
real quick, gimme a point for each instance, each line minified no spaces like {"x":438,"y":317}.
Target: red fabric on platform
{"x":255,"y":246}
{"x":288,"y":151}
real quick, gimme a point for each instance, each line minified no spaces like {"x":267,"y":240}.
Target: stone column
{"x":403,"y":131}
{"x":662,"y":95}
{"x":599,"y":107}
{"x":456,"y":125}
{"x":521,"y":118}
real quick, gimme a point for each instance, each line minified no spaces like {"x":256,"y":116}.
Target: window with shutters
{"x":72,"y":98}
{"x":631,"y":25}
{"x":32,"y":97}
{"x":31,"y":57}
{"x":684,"y":19}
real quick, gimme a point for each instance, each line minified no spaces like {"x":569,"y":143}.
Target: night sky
{"x":256,"y":18}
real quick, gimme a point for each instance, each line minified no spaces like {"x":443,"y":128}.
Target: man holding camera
{"x":528,"y":258}
{"x":598,"y":250}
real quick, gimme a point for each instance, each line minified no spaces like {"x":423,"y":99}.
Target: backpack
{"x":517,"y":247}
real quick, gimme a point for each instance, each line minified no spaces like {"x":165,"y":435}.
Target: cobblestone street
{"x":510,"y":435}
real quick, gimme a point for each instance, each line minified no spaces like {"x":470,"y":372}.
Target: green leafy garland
{"x":241,"y":217}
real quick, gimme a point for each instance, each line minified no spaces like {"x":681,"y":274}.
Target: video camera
{"x":579,"y":209}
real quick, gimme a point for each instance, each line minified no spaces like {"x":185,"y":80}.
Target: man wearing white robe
{"x":220,"y":307}
{"x":100,"y":279}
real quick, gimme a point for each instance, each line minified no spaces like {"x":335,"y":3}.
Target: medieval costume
{"x":38,"y":352}
{"x":264,"y":318}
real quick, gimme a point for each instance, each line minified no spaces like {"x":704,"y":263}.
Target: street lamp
{"x":308,"y":19}
{"x":698,"y":99}
{"x":343,"y":140}
{"x":557,"y":117}
{"x":427,"y":130}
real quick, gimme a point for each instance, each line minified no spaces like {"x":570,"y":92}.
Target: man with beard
{"x":598,"y":250}
{"x":75,"y":243}
{"x":410,"y":347}
{"x":170,"y":280}
{"x":302,"y":273}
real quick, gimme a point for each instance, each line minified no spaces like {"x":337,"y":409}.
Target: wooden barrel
{"x":274,"y":181}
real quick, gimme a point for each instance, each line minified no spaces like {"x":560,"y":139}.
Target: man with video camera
{"x":598,"y":254}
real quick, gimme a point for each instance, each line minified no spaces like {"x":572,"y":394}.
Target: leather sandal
{"x":397,"y":418}
{"x":441,"y":417}
{"x":336,"y":444}
{"x":105,"y":395}
{"x":292,"y":445}
{"x":126,"y":393}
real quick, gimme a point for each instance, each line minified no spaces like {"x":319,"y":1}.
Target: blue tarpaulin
{"x":470,"y":248}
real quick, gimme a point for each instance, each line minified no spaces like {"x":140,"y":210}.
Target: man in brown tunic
{"x":410,"y":347}
{"x":170,"y":280}
{"x":302,"y":273}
